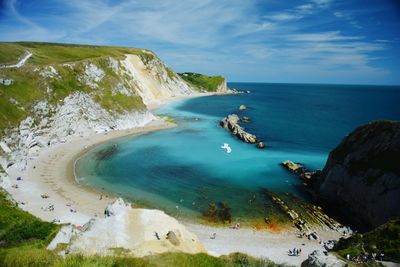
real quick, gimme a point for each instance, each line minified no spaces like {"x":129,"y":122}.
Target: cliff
{"x":361,"y":179}
{"x":50,"y":93}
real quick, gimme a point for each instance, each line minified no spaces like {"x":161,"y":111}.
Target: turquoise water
{"x":182,"y":170}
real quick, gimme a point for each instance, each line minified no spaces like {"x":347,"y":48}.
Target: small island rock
{"x":261,"y":145}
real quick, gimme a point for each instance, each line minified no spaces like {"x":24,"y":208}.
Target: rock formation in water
{"x":242,"y":107}
{"x":299,"y":170}
{"x":231,"y":123}
{"x":361,"y":179}
{"x":261,"y":145}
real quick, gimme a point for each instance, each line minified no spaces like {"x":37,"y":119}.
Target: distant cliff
{"x":361,"y":179}
{"x":52,"y":92}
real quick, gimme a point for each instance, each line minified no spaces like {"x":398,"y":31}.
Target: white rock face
{"x":142,"y":231}
{"x":152,"y":80}
{"x":49,"y":72}
{"x":121,"y":89}
{"x":92,"y":75}
{"x":77,"y":115}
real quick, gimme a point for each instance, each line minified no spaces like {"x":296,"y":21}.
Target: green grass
{"x":10,"y":53}
{"x":203,"y":82}
{"x":384,"y":239}
{"x":55,"y":53}
{"x":39,"y":257}
{"x":19,"y":227}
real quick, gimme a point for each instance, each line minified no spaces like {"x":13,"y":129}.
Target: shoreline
{"x":53,"y":173}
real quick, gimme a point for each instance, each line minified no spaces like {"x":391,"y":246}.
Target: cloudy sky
{"x":306,"y":41}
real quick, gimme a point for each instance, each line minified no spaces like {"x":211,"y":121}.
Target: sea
{"x":184,"y":170}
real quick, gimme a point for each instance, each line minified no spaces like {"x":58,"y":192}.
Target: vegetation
{"x":10,"y":53}
{"x":220,"y":212}
{"x":18,"y":227}
{"x":55,"y":53}
{"x":384,"y":239}
{"x":30,"y":87}
{"x":203,"y":82}
{"x":24,"y":238}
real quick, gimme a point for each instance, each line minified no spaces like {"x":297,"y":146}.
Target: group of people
{"x":235,"y":226}
{"x":360,"y":259}
{"x":294,"y":252}
{"x":50,"y":207}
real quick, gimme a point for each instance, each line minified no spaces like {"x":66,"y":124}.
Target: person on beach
{"x":156,"y":235}
{"x":213,"y":236}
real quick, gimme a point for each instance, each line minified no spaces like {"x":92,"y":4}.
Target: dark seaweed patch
{"x":107,"y":152}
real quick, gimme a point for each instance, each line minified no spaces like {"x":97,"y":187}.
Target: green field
{"x":202,"y":82}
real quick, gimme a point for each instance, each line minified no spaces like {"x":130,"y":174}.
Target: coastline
{"x":52,"y":173}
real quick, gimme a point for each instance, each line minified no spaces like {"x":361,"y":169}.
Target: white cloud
{"x":322,"y":37}
{"x":322,"y":3}
{"x":230,"y":37}
{"x":284,"y":16}
{"x":338,"y":14}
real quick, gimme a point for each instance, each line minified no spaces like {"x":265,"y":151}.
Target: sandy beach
{"x":52,"y":173}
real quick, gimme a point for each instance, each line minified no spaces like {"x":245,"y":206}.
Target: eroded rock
{"x":231,"y":123}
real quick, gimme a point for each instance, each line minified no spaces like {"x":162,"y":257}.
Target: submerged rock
{"x":361,"y":179}
{"x":231,"y":123}
{"x":245,"y":119}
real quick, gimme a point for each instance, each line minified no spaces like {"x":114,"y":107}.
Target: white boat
{"x":227,"y":147}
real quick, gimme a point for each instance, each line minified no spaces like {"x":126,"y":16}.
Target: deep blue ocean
{"x":182,"y":170}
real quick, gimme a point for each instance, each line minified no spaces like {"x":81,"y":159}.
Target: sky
{"x":296,"y":41}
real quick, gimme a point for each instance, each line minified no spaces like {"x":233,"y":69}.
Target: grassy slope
{"x":203,"y":82}
{"x":23,"y":241}
{"x":29,"y":87}
{"x":384,"y":239}
{"x":10,"y":53}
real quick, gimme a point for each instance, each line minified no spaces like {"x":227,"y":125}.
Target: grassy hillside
{"x":203,"y":82}
{"x":23,"y":241}
{"x":30,"y":87}
{"x":384,"y":239}
{"x":55,"y":53}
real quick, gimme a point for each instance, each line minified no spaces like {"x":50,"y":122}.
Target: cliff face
{"x":361,"y":179}
{"x":64,"y":91}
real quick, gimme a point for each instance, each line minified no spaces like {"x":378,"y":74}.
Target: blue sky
{"x":307,"y":41}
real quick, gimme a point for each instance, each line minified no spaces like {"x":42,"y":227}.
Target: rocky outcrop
{"x":299,"y":170}
{"x":231,"y":123}
{"x":292,"y":167}
{"x":319,"y":259}
{"x":242,"y":107}
{"x":138,"y":232}
{"x":261,"y":145}
{"x":361,"y":179}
